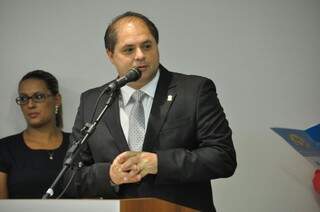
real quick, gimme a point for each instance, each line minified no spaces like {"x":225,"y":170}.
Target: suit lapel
{"x":112,"y":121}
{"x":164,"y":97}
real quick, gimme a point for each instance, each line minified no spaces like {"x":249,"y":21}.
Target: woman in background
{"x":30,"y":160}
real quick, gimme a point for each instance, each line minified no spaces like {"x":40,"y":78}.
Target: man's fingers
{"x":119,"y":177}
{"x":131,"y":167}
{"x":123,"y":157}
{"x":134,"y":171}
{"x":130,"y":163}
{"x":131,"y":177}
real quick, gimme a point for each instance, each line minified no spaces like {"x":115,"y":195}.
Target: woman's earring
{"x":56,"y":110}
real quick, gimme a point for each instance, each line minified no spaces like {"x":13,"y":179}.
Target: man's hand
{"x":131,"y":167}
{"x":118,"y":175}
{"x":142,"y":162}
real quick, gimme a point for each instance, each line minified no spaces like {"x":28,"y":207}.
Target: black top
{"x":30,"y":172}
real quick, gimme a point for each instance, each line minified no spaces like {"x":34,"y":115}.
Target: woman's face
{"x":39,"y":111}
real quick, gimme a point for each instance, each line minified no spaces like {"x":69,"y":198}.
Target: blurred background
{"x":263,"y":55}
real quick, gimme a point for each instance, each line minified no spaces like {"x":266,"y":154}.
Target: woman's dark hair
{"x":110,"y":37}
{"x":51,"y":83}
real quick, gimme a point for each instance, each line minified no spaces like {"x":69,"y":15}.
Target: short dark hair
{"x":51,"y":83}
{"x":110,"y":37}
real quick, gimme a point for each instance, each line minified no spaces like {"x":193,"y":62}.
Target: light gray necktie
{"x":136,"y":122}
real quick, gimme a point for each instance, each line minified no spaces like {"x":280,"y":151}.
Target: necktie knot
{"x":137,"y":96}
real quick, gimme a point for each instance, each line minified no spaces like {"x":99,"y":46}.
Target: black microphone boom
{"x":132,"y":75}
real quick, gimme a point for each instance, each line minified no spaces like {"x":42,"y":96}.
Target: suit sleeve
{"x":214,"y":157}
{"x":91,"y":179}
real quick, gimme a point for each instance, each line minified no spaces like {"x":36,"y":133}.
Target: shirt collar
{"x":149,"y":89}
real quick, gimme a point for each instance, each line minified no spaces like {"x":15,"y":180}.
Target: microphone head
{"x":133,"y":75}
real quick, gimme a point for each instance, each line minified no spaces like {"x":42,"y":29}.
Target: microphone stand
{"x":75,"y":148}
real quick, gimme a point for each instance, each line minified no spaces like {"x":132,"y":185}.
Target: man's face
{"x":135,"y":47}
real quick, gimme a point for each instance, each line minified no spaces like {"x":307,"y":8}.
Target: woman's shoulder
{"x":66,"y":137}
{"x":11,"y":139}
{"x":66,"y":133}
{"x":10,"y":143}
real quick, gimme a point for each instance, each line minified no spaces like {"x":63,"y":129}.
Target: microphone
{"x":132,"y":75}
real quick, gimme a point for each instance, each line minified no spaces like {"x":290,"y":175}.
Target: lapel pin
{"x":169,"y":99}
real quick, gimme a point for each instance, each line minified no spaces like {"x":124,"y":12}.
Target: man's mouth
{"x":142,"y":67}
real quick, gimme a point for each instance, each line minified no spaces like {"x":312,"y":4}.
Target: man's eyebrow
{"x":147,"y":41}
{"x":127,"y":45}
{"x":132,"y":45}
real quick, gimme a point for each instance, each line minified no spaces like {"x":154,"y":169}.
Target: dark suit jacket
{"x":190,"y":135}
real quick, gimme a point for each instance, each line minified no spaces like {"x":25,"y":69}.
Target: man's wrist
{"x":155,"y":163}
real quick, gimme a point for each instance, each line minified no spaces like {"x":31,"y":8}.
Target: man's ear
{"x":110,"y":56}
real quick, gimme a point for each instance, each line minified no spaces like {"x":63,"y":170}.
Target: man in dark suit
{"x":179,"y":141}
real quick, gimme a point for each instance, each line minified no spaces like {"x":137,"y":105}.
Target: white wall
{"x":264,"y":56}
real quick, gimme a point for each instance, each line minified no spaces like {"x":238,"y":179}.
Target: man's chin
{"x":135,"y":85}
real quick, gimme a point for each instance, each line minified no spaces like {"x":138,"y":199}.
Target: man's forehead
{"x":129,"y":22}
{"x":129,"y":31}
{"x":128,"y":19}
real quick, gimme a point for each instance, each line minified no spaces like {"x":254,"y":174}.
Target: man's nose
{"x":139,"y":54}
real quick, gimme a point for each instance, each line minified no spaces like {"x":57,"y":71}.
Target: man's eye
{"x":128,"y":50}
{"x":147,"y":46}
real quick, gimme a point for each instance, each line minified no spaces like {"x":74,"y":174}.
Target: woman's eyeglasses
{"x":36,"y":97}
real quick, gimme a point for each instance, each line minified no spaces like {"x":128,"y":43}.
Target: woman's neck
{"x":48,"y":136}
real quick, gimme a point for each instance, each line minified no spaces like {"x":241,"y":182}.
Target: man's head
{"x":131,"y":40}
{"x":110,"y":37}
